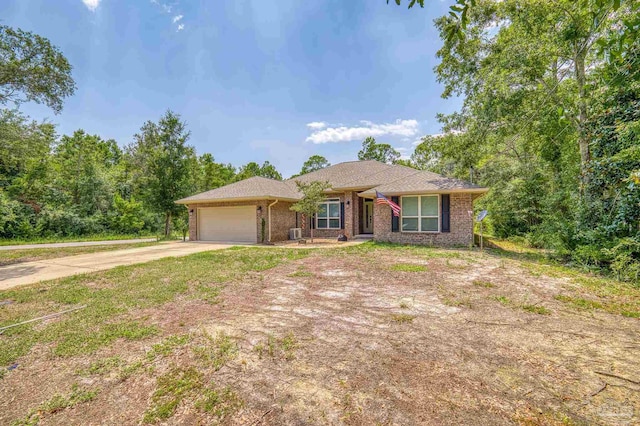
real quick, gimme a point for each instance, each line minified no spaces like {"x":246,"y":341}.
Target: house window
{"x":328,"y":216}
{"x":421,"y":213}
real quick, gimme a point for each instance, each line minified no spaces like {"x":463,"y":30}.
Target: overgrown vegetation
{"x":550,"y":123}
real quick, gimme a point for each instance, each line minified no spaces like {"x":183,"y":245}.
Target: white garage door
{"x":233,"y":224}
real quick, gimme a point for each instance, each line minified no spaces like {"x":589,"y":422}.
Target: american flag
{"x":381,"y":199}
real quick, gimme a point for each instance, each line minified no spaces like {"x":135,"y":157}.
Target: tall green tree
{"x":81,"y":170}
{"x":162,"y":156}
{"x":315,"y":162}
{"x":32,"y":69}
{"x":214,"y":175}
{"x":383,"y":152}
{"x":252,"y":169}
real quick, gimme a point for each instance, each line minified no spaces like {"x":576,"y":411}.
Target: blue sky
{"x":256,"y":80}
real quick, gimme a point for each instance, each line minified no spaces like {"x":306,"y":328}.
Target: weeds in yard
{"x":217,"y":351}
{"x":408,"y":267}
{"x":485,"y":284}
{"x":301,"y":274}
{"x":278,"y":348}
{"x":219,"y":403}
{"x":503,"y":300}
{"x":528,"y":307}
{"x":404,"y":305}
{"x":179,"y":384}
{"x":536,"y":309}
{"x":57,"y":403}
{"x":630,"y":309}
{"x":171,"y":389}
{"x":167,"y":346}
{"x":102,"y":366}
{"x":402,"y":318}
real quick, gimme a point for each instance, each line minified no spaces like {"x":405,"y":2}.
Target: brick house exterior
{"x":351,"y":184}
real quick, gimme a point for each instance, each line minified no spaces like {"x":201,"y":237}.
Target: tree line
{"x":550,"y":122}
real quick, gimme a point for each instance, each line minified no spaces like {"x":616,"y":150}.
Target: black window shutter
{"x":395,"y":220}
{"x":341,"y":215}
{"x":446,"y":222}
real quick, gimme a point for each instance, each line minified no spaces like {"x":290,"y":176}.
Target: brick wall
{"x":281,"y":218}
{"x":461,"y":225}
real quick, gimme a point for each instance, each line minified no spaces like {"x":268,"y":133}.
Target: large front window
{"x":328,"y":216}
{"x":420,"y":214}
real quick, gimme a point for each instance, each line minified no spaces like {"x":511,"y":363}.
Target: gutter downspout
{"x":269,"y":210}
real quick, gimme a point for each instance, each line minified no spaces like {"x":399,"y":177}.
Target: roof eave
{"x":187,"y":201}
{"x":429,"y":191}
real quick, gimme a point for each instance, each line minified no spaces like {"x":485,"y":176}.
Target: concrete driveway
{"x":41,"y":270}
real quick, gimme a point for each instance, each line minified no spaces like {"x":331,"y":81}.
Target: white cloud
{"x":177,"y":18}
{"x":180,"y":27}
{"x":165,"y":7}
{"x":92,"y":5}
{"x":317,"y":125}
{"x":368,"y":128}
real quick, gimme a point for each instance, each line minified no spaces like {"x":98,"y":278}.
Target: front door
{"x":367,"y":217}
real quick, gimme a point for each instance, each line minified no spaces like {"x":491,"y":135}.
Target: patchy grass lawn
{"x":10,"y":257}
{"x":368,"y":334}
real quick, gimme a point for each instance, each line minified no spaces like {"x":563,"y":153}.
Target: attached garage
{"x":227,"y":224}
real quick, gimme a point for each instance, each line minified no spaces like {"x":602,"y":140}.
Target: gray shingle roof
{"x":353,"y":175}
{"x":254,"y":188}
{"x":423,"y":182}
{"x":341,"y":175}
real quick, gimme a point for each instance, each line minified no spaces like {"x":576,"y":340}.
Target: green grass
{"x":301,"y":274}
{"x":536,"y":309}
{"x":482,"y":283}
{"x":57,"y":403}
{"x":425,"y":252}
{"x":9,"y":257}
{"x":216,"y":351}
{"x":503,"y":300}
{"x":102,"y":366}
{"x":73,"y":239}
{"x":112,"y":295}
{"x":408,"y":267}
{"x":628,"y":309}
{"x":402,"y":318}
{"x":171,"y":389}
{"x":220,"y":403}
{"x":179,"y":384}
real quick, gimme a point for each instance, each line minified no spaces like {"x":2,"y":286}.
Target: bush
{"x":126,"y":216}
{"x":63,"y":223}
{"x":625,"y":261}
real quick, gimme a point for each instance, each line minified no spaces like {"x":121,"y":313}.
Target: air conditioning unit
{"x":295,"y":233}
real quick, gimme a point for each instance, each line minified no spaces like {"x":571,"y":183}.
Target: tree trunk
{"x":167,"y":224}
{"x":312,"y":235}
{"x":583,"y":140}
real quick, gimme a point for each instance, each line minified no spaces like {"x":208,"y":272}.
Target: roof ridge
{"x":339,"y":164}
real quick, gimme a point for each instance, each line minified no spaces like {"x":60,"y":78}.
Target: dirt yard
{"x":366,"y":335}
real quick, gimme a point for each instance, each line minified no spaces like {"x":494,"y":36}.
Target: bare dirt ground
{"x":379,"y":337}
